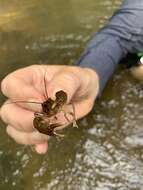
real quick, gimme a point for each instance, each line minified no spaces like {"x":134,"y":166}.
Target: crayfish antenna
{"x":21,"y":101}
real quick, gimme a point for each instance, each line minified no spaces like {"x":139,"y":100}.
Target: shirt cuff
{"x":103,"y":58}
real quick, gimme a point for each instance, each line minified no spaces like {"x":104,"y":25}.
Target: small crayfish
{"x":50,"y":108}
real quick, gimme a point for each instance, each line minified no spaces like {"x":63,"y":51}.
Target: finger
{"x":19,"y":84}
{"x":65,"y":80}
{"x":16,"y":89}
{"x":26,"y":138}
{"x":36,"y":71}
{"x":25,"y":74}
{"x":32,"y":105}
{"x":21,"y":119}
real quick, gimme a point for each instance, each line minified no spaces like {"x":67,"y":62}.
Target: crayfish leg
{"x":58,"y":135}
{"x":73,"y":121}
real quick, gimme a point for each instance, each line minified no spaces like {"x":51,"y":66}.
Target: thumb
{"x":65,"y":80}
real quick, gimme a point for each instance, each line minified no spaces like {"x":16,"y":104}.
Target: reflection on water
{"x":105,"y":153}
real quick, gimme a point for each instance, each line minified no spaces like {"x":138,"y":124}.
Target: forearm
{"x":122,"y":34}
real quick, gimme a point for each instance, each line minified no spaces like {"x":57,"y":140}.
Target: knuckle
{"x":3,"y":85}
{"x":10,"y":132}
{"x":7,"y":118}
{"x":3,"y":113}
{"x":7,"y":83}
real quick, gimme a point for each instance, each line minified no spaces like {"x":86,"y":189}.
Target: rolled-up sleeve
{"x":121,"y":35}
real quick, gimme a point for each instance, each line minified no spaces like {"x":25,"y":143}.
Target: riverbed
{"x":106,"y":151}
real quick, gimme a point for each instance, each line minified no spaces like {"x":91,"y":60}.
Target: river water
{"x":105,"y":152}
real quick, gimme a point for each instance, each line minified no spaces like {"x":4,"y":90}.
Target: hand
{"x":80,"y":84}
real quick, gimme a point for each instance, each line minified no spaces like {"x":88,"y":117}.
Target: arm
{"x":123,"y":34}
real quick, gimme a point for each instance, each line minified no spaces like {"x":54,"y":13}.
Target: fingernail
{"x":41,"y":148}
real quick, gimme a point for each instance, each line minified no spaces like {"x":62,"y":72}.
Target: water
{"x":105,"y":152}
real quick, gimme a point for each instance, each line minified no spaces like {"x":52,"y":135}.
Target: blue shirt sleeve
{"x":121,"y":35}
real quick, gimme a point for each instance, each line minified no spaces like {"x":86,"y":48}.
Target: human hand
{"x":27,"y":84}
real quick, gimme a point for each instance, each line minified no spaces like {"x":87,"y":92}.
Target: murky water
{"x":105,"y":153}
